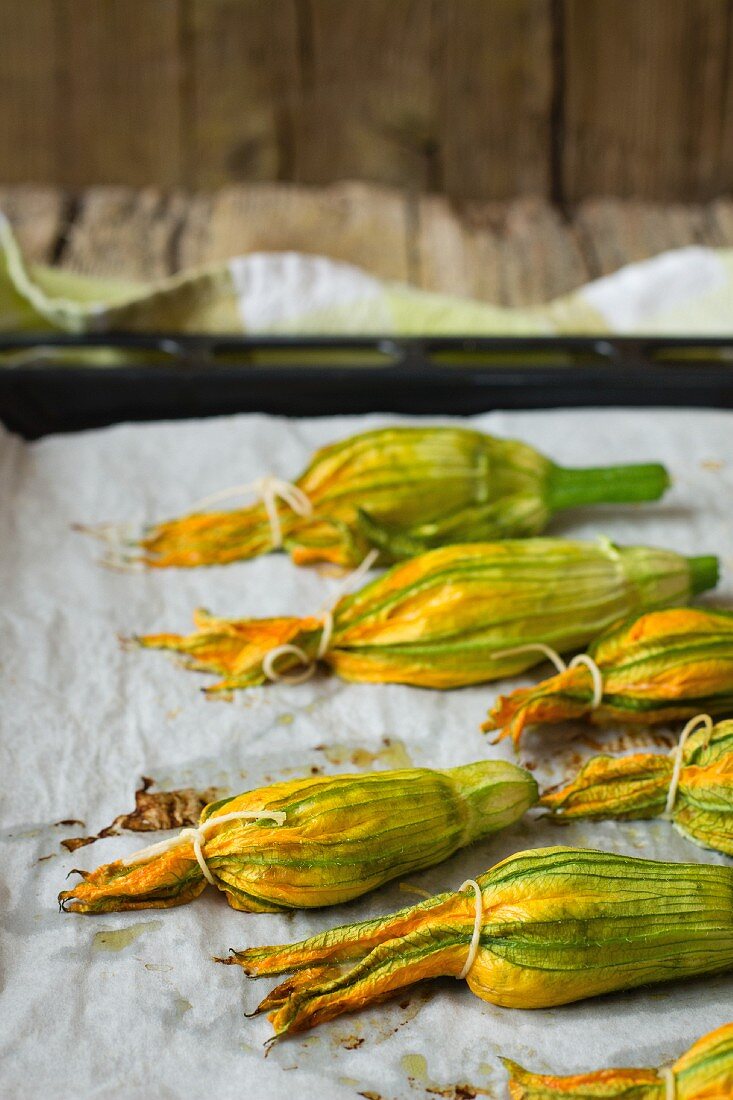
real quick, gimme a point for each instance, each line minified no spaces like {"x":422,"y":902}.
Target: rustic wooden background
{"x":474,"y":99}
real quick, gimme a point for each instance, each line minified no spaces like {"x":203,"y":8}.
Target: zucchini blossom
{"x":555,"y":925}
{"x":455,"y":616}
{"x":318,"y":840}
{"x":704,"y":1072}
{"x":655,"y":667}
{"x":403,"y":490}
{"x":638,"y":786}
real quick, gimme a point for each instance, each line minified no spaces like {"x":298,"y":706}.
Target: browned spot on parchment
{"x":461,"y":1091}
{"x":352,"y":1042}
{"x":154,"y":810}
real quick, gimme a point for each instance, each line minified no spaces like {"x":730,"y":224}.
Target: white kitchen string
{"x":561,"y":666}
{"x":670,"y":1082}
{"x":293,"y":676}
{"x":474,"y":945}
{"x":198,"y":836}
{"x":699,"y":720}
{"x":269,"y":489}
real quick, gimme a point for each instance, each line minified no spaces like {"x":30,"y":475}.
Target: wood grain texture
{"x":435,"y":96}
{"x":355,"y":222}
{"x":644,"y":89}
{"x":519,"y":253}
{"x":28,"y":85}
{"x":613,"y":232}
{"x":363,"y":92}
{"x":125,"y":233}
{"x":120,"y":119}
{"x":241,"y":65}
{"x":455,"y":257}
{"x":480,"y":100}
{"x":38,"y":217}
{"x":720,"y":222}
{"x":492,"y":88}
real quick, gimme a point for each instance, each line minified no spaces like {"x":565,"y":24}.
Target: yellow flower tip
{"x":163,"y":882}
{"x":209,"y":538}
{"x":237,"y":648}
{"x":567,"y":695}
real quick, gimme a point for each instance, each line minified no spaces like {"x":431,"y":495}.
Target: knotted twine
{"x":699,"y":720}
{"x":269,"y":489}
{"x":562,"y":666}
{"x":478,"y":920}
{"x":309,"y":663}
{"x":199,"y":834}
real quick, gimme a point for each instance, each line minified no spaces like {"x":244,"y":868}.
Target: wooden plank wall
{"x":476,"y":99}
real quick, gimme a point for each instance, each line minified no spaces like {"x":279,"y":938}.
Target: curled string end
{"x":309,"y":663}
{"x":700,"y":720}
{"x":596,"y":675}
{"x":291,"y":676}
{"x":474,"y":945}
{"x":269,"y":489}
{"x":534,"y":647}
{"x":121,"y":561}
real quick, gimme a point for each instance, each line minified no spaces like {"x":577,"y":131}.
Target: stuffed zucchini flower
{"x":314,"y":841}
{"x":655,"y":667}
{"x":542,"y":928}
{"x":403,"y":490}
{"x":455,"y":616}
{"x":696,"y":792}
{"x":704,"y":1072}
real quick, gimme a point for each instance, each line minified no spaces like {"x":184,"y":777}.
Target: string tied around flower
{"x":308,"y":663}
{"x":698,"y":722}
{"x":122,"y":538}
{"x":269,"y":489}
{"x":198,"y":835}
{"x":562,"y":666}
{"x":478,"y":921}
{"x":670,"y":1082}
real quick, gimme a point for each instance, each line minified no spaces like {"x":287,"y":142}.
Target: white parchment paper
{"x":130,"y":1005}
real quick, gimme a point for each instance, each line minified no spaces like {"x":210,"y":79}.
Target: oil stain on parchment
{"x":181,"y":1005}
{"x":117,"y":939}
{"x":392,"y":754}
{"x":415,"y":1066}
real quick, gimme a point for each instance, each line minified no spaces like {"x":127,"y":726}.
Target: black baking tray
{"x":60,"y":383}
